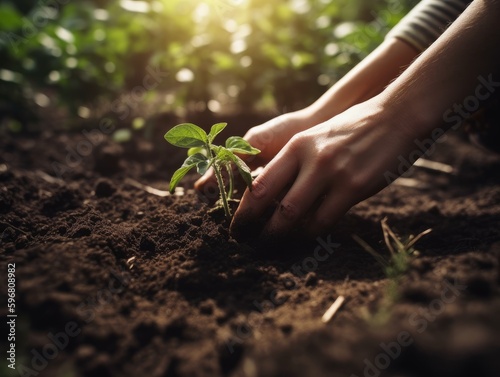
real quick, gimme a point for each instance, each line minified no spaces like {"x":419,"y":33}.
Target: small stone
{"x":104,"y":188}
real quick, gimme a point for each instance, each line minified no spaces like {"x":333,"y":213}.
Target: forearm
{"x":449,"y":71}
{"x":366,"y":80}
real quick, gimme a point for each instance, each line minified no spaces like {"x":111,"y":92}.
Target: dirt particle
{"x":81,"y":231}
{"x":479,"y":287}
{"x":197,"y":221}
{"x":108,"y":158}
{"x":286,"y":329}
{"x":421,"y":265}
{"x":63,"y":199}
{"x":311,"y":279}
{"x":207,"y":307}
{"x":145,"y":331}
{"x":21,"y":242}
{"x":104,"y":188}
{"x":5,"y":173}
{"x":85,"y":352}
{"x":9,"y":234}
{"x":5,"y":202}
{"x":147,"y":244}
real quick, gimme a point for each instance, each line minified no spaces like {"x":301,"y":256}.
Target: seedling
{"x":203,"y":154}
{"x":402,"y":251}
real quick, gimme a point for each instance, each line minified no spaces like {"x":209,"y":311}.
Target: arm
{"x":412,"y":35}
{"x":367,"y":79}
{"x":370,"y":77}
{"x":342,"y":161}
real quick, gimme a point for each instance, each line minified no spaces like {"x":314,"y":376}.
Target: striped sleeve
{"x":427,"y":21}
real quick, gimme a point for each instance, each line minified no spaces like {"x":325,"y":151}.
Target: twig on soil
{"x":402,"y":251}
{"x":434,"y":165}
{"x":179,"y":191}
{"x":332,"y":310}
{"x":411,"y":182}
{"x":15,"y":228}
{"x":130,"y":262}
{"x":48,"y":178}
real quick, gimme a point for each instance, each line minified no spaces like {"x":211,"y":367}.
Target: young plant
{"x":203,"y":154}
{"x":402,"y":251}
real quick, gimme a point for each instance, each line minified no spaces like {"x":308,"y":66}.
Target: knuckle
{"x":356,"y":182}
{"x":259,"y":187}
{"x":251,"y":134}
{"x":296,"y":143}
{"x":323,"y":160}
{"x":288,"y":210}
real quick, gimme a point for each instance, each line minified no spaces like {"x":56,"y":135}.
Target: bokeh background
{"x":81,"y":59}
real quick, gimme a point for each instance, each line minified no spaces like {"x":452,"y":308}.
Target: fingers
{"x":267,"y":186}
{"x":296,"y":204}
{"x":333,"y":207}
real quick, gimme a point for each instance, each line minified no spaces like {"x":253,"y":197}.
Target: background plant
{"x":401,"y":251}
{"x":247,"y":53}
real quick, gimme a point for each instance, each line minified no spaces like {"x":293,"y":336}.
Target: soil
{"x":114,"y":280}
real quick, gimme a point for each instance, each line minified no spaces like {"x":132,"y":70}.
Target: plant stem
{"x":222,"y":191}
{"x":231,"y":181}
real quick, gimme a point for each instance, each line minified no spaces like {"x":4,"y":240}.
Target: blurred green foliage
{"x":215,"y":53}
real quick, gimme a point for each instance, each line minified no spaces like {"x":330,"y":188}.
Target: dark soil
{"x":113,"y":280}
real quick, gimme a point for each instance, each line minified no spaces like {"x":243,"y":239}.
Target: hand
{"x":270,"y":138}
{"x":328,"y":169}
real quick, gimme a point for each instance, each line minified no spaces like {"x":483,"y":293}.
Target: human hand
{"x":325,"y":170}
{"x":270,"y":138}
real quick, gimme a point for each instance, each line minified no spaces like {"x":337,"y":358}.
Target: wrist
{"x":412,"y":118}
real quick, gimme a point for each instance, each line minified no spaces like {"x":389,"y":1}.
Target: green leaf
{"x":240,"y":164}
{"x":194,"y":159}
{"x":202,"y":167}
{"x":187,"y":135}
{"x":200,"y":161}
{"x":178,"y":175}
{"x":244,"y":171}
{"x":194,"y":150}
{"x":223,"y":154}
{"x":11,"y":18}
{"x":239,"y":145}
{"x":215,"y":130}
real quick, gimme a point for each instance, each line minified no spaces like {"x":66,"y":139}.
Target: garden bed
{"x":116,"y":280}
